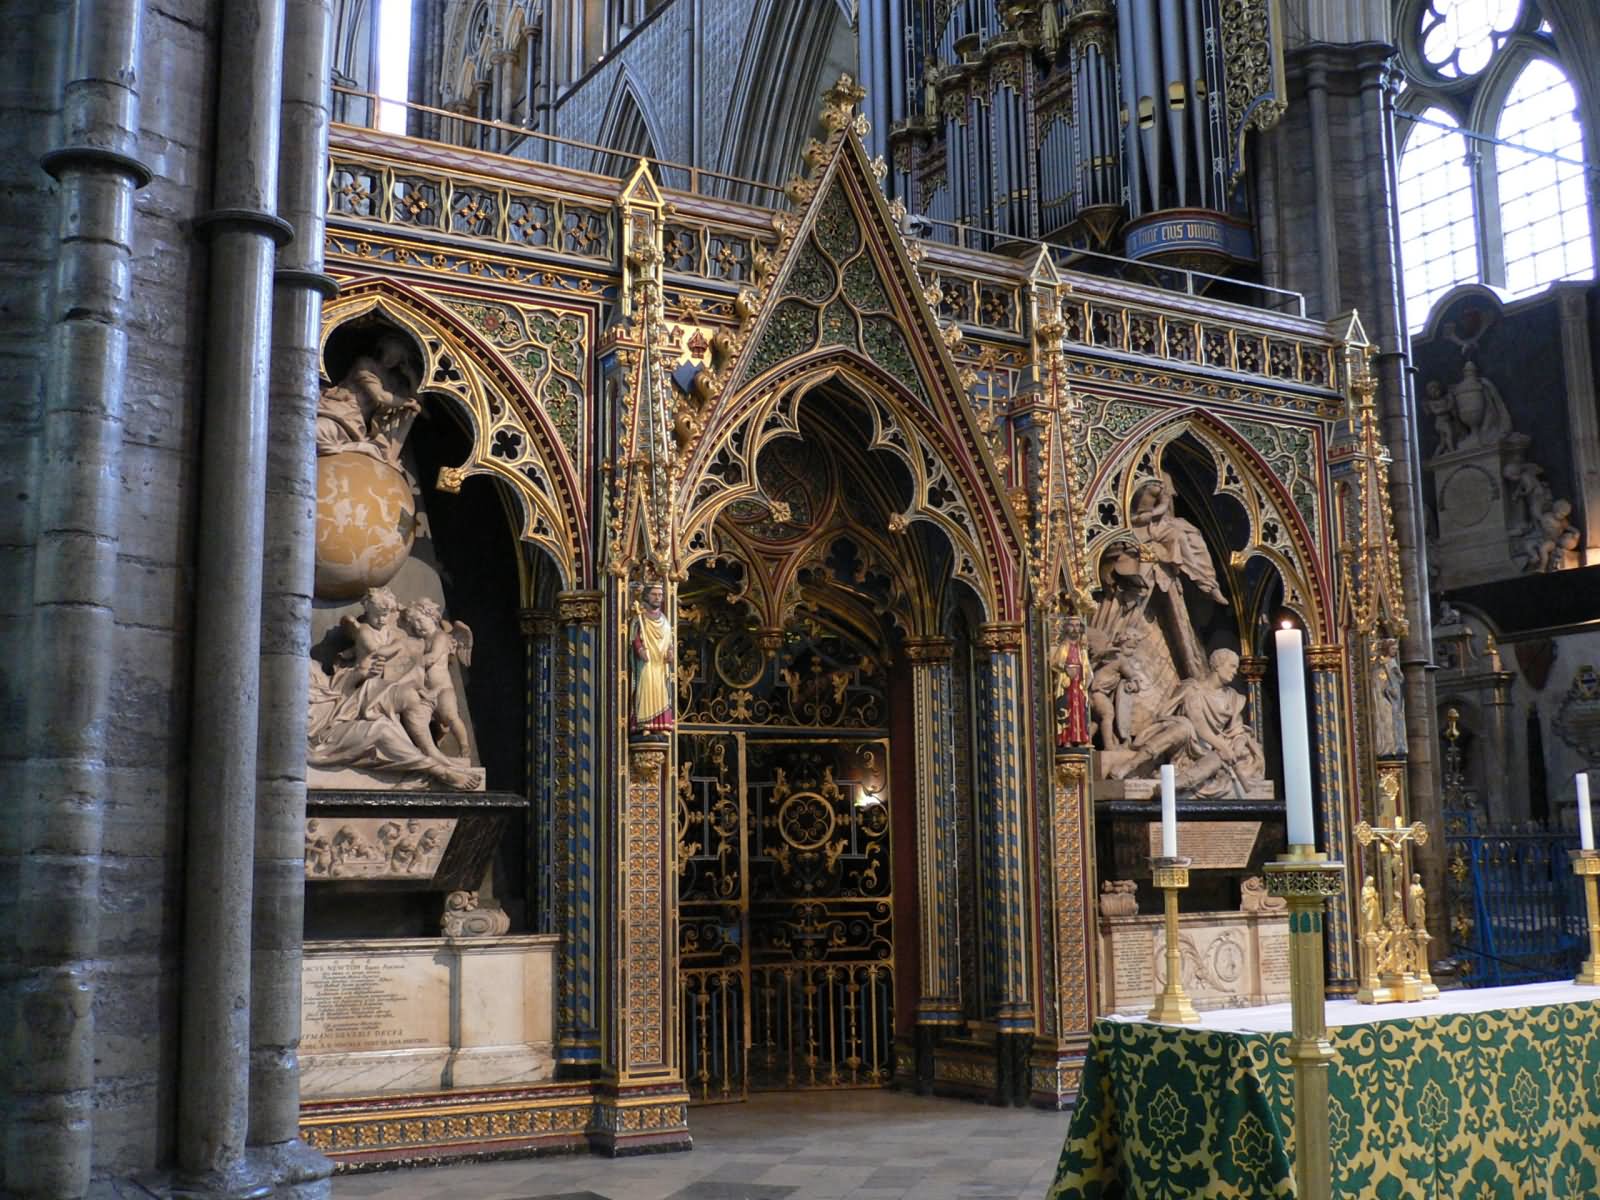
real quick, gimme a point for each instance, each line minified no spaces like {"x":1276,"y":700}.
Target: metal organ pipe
{"x":1195,"y":86}
{"x":1173,"y":93}
{"x":1131,"y":146}
{"x":1147,"y":92}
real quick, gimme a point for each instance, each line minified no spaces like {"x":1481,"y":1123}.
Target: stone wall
{"x":140,"y":878}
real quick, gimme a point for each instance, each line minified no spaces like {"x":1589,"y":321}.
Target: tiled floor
{"x":807,"y":1146}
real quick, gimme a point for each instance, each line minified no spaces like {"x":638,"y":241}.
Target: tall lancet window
{"x":1544,"y":208}
{"x":1438,"y":224}
{"x":1494,"y":186}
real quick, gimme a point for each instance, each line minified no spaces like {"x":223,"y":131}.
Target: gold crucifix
{"x":1394,"y":934}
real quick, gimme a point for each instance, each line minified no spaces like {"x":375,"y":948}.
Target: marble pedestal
{"x":381,"y":1017}
{"x":1230,"y":960}
{"x":1475,"y":530}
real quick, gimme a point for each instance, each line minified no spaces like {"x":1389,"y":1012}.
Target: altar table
{"x":1487,"y":1094}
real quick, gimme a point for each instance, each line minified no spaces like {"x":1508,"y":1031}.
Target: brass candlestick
{"x":1173,"y":1006}
{"x":1586,"y":866}
{"x":1306,"y":879}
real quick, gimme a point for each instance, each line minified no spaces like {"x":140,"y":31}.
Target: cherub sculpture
{"x":442,"y":640}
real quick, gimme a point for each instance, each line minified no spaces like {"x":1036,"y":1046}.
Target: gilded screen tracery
{"x":818,"y":675}
{"x":514,"y":438}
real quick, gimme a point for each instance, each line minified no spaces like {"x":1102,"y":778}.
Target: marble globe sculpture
{"x":366,"y":524}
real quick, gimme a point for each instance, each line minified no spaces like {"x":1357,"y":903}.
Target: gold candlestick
{"x":1173,"y":1006}
{"x":1586,"y":866}
{"x":1306,"y":879}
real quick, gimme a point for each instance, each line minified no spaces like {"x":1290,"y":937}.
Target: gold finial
{"x":839,"y":102}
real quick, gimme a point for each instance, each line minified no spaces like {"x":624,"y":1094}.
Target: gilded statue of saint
{"x":1070,"y":661}
{"x":651,"y":639}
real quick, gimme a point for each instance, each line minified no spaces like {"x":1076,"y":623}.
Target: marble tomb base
{"x":391,"y":1016}
{"x":1230,"y":960}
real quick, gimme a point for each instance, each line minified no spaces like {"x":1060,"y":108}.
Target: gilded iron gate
{"x":786,"y":909}
{"x":713,"y":916}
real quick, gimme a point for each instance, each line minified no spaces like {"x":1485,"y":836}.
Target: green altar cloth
{"x":1491,"y":1105}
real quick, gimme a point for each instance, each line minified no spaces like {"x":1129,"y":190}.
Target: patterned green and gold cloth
{"x":1495,"y":1105}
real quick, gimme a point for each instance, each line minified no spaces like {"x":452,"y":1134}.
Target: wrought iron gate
{"x":786,"y":913}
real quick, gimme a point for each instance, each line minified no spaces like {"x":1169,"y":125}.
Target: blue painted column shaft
{"x":936,"y":800}
{"x":1004,"y":755}
{"x":539,"y":634}
{"x":574,"y":798}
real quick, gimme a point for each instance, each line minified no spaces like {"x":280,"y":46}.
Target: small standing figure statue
{"x":1419,"y":929}
{"x":651,"y":639}
{"x":1371,"y":920}
{"x":1070,"y":661}
{"x":1388,"y":700}
{"x":442,"y":641}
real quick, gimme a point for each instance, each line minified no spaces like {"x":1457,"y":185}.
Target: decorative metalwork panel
{"x":821,"y":914}
{"x":785,"y":902}
{"x":816,"y":676}
{"x":1516,"y":910}
{"x":374,"y":190}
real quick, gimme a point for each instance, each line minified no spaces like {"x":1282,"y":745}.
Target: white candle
{"x":1585,"y":817}
{"x":1296,"y":736}
{"x":1169,"y":812}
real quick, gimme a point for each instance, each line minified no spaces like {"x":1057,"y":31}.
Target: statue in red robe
{"x":1070,"y":661}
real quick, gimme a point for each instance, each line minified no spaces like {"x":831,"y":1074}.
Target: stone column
{"x":642,"y":1104}
{"x":1322,"y":183}
{"x":214,"y":1053}
{"x":1329,"y":733}
{"x":1253,"y":669}
{"x":939,"y":1004}
{"x":539,"y":637}
{"x":278,"y":923}
{"x":1397,"y":406}
{"x":1004,"y":756}
{"x":1582,"y":424}
{"x":576,"y":668}
{"x":55,"y":913}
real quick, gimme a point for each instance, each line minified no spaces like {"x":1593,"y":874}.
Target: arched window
{"x":1438,"y":225}
{"x":1544,"y":209}
{"x":1492,"y":183}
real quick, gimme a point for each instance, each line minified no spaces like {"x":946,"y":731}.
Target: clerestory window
{"x":1493,"y":186}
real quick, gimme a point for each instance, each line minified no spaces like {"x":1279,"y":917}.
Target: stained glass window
{"x":1544,"y":211}
{"x":1438,"y":224}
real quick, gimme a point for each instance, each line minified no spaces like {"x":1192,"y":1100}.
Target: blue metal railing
{"x":1516,"y":910}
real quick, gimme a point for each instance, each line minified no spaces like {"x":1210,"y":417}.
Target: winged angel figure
{"x":390,"y":699}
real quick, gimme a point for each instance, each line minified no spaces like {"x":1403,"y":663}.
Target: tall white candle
{"x":1296,"y":736}
{"x":1585,"y":817}
{"x":1169,"y":812}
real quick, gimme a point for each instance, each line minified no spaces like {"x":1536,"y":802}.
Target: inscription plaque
{"x":377,"y":1003}
{"x":1274,"y":962}
{"x":1213,"y":845}
{"x":1134,"y":963}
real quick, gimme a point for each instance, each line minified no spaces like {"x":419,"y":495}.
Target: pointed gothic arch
{"x":629,"y":127}
{"x":843,"y":304}
{"x":1281,"y":503}
{"x":777,"y":87}
{"x":513,"y":438}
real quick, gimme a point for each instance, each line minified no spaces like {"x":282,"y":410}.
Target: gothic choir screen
{"x":1030,"y":551}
